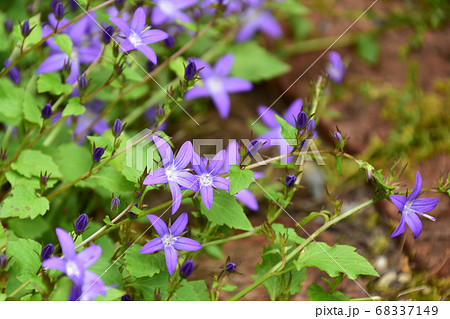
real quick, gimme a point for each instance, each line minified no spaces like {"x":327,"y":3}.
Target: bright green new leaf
{"x":73,"y":107}
{"x":192,"y":291}
{"x":64,"y":42}
{"x":31,"y":110}
{"x":25,"y":252}
{"x":51,"y":82}
{"x":11,"y":98}
{"x":316,"y":293}
{"x":239,"y":179}
{"x":287,"y":131}
{"x":225,"y":210}
{"x":73,"y":160}
{"x":33,"y":163}
{"x":335,"y":260}
{"x":143,"y":265}
{"x":23,"y":203}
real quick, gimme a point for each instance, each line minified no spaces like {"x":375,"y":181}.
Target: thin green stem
{"x":236,"y":237}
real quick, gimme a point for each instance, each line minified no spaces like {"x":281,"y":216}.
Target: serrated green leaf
{"x":112,"y":294}
{"x":31,"y":109}
{"x":178,"y":66}
{"x":15,"y":179}
{"x":317,"y":293}
{"x":287,"y":131}
{"x":335,"y":260}
{"x":64,"y":42}
{"x":33,"y":163}
{"x":29,"y":228}
{"x":51,"y":82}
{"x":225,"y":210}
{"x":239,"y":179}
{"x":258,"y":65}
{"x":73,"y":107}
{"x":23,"y":203}
{"x":143,"y":265}
{"x":25,"y":252}
{"x":10,"y":102}
{"x":192,"y":291}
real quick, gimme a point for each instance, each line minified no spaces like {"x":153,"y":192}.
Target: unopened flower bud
{"x":46,"y":111}
{"x":2,"y":260}
{"x":337,"y":137}
{"x":126,"y":297}
{"x":115,"y":203}
{"x":117,"y":127}
{"x":107,"y":34}
{"x":138,"y":194}
{"x":190,"y":70}
{"x":59,"y":11}
{"x":97,"y":154}
{"x":119,"y":4}
{"x":44,"y":180}
{"x":8,"y":25}
{"x":3,"y":154}
{"x":169,"y":42}
{"x":81,"y":223}
{"x":230,"y":267}
{"x":290,"y":180}
{"x":47,"y":252}
{"x":187,"y":268}
{"x":311,"y":126}
{"x":254,"y":146}
{"x":25,"y":28}
{"x":150,"y":66}
{"x":302,"y":118}
{"x":13,"y":73}
{"x":160,"y":114}
{"x":82,"y":82}
{"x":53,"y":4}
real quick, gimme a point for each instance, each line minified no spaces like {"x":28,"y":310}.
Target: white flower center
{"x":168,"y":240}
{"x":135,"y":39}
{"x":74,"y":54}
{"x":72,"y":269}
{"x":214,"y":84}
{"x":171,"y":173}
{"x":206,"y":180}
{"x":167,"y":7}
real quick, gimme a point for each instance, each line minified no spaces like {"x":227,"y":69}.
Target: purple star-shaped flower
{"x":273,"y":136}
{"x":169,"y":239}
{"x":137,"y":36}
{"x":256,"y":20}
{"x":74,"y":266}
{"x":411,"y":206}
{"x":85,"y":47}
{"x":217,"y":84}
{"x":174,"y":171}
{"x":335,"y":68}
{"x":207,"y":175}
{"x":170,"y":11}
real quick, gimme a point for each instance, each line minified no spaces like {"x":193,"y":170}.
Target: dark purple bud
{"x":169,"y":42}
{"x":107,"y":34}
{"x":2,"y":260}
{"x":302,"y":118}
{"x":311,"y":126}
{"x":254,"y":146}
{"x":53,"y":5}
{"x":46,"y":111}
{"x":25,"y":28}
{"x":98,"y":153}
{"x":119,"y":4}
{"x":13,"y":73}
{"x":190,"y":71}
{"x":30,"y":9}
{"x":187,"y":268}
{"x":138,"y":194}
{"x":82,"y":82}
{"x":44,"y":180}
{"x":290,"y":180}
{"x":67,"y":68}
{"x":59,"y":11}
{"x":150,"y":66}
{"x":81,"y":223}
{"x":73,"y":5}
{"x":8,"y":25}
{"x":126,"y":297}
{"x":115,"y":202}
{"x":3,"y":155}
{"x":47,"y":252}
{"x":160,"y":114}
{"x":337,"y":137}
{"x":230,"y":267}
{"x":117,"y":127}
{"x":132,"y":215}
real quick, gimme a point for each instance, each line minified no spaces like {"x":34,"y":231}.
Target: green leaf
{"x":31,"y":109}
{"x":258,"y":65}
{"x":73,"y":107}
{"x":148,"y":286}
{"x":143,"y":265}
{"x":287,"y":131}
{"x":23,"y":203}
{"x":51,"y":82}
{"x":35,"y":35}
{"x":15,"y":179}
{"x":192,"y":291}
{"x":108,"y":221}
{"x":225,"y":210}
{"x":368,"y":48}
{"x":33,"y":163}
{"x":316,"y":293}
{"x":29,"y":228}
{"x":178,"y":66}
{"x":239,"y":179}
{"x":10,"y":102}
{"x":26,"y":253}
{"x":73,"y":160}
{"x":64,"y":42}
{"x":339,"y":164}
{"x":346,"y":260}
{"x":112,"y":294}
{"x":112,"y":180}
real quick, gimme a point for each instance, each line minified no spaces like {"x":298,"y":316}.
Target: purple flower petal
{"x":224,"y":64}
{"x":414,"y":223}
{"x":158,"y":176}
{"x":56,"y":263}
{"x":270,"y":25}
{"x":423,"y":205}
{"x":196,"y":92}
{"x":249,"y":200}
{"x":216,"y":164}
{"x":78,"y":30}
{"x":247,"y":31}
{"x":54,"y":62}
{"x":159,"y":225}
{"x":222,"y":102}
{"x":176,"y":196}
{"x":171,"y":259}
{"x":92,"y":287}
{"x":187,"y":244}
{"x":235,"y":85}
{"x":399,"y":201}
{"x":152,"y":36}
{"x":126,"y":46}
{"x":138,"y":22}
{"x":207,"y":193}
{"x":122,"y":25}
{"x":90,"y":255}
{"x":417,"y":187}
{"x":221,"y":183}
{"x":198,"y":164}
{"x":88,"y":54}
{"x":153,"y":245}
{"x":179,"y":225}
{"x":400,"y":228}
{"x":158,"y":17}
{"x":148,"y":52}
{"x":164,"y":150}
{"x":268,"y":116}
{"x":187,"y":180}
{"x":291,"y":113}
{"x":66,"y":242}
{"x":184,"y":156}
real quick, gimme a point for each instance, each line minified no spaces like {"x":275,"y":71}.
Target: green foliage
{"x":33,"y":163}
{"x":225,"y":210}
{"x":73,"y":107}
{"x":317,"y":293}
{"x":51,"y":82}
{"x":64,"y":42}
{"x":239,"y":179}
{"x":143,"y":265}
{"x":335,"y":260}
{"x":25,"y":253}
{"x":192,"y":291}
{"x":24,"y":203}
{"x":287,"y":131}
{"x":10,"y":102}
{"x":368,"y":48}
